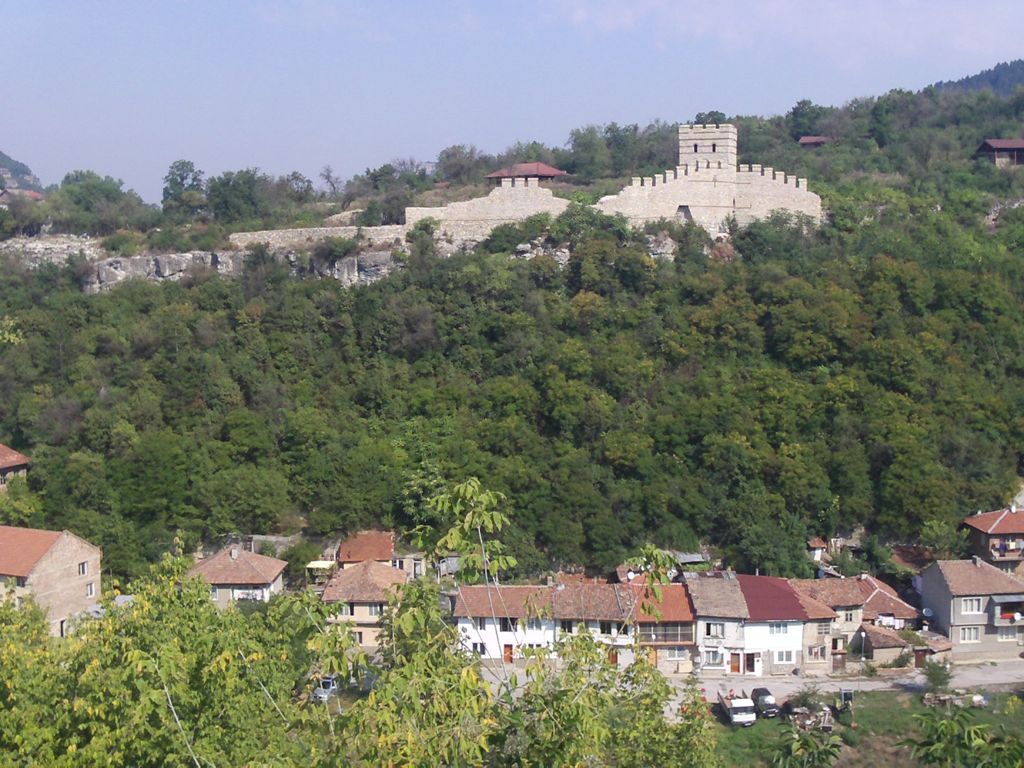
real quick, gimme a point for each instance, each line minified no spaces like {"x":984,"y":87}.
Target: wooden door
{"x":734,"y":663}
{"x":920,"y":656}
{"x":506,"y":654}
{"x":613,"y":656}
{"x":839,"y":662}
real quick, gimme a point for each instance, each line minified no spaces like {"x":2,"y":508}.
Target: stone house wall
{"x":66,"y":581}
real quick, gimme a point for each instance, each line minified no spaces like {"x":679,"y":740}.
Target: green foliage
{"x":806,"y":749}
{"x":951,"y":738}
{"x":937,"y":675}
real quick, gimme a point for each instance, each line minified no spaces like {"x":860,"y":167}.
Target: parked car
{"x":764,"y":702}
{"x":325,"y":689}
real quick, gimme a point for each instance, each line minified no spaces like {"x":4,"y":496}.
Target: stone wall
{"x":373,"y":238}
{"x":473,"y":220}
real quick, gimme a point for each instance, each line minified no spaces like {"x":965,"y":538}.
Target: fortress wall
{"x":761,"y":190}
{"x":509,"y":203}
{"x":297,"y":239}
{"x":706,"y":193}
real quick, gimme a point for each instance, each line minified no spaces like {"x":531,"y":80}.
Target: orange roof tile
{"x":540,"y":170}
{"x":976,"y":577}
{"x":245,"y":568}
{"x":10,"y":458}
{"x":674,"y":605}
{"x":1001,"y":521}
{"x":881,"y":600}
{"x":835,"y":593}
{"x":367,"y":545}
{"x":365,"y":582}
{"x":22,"y":548}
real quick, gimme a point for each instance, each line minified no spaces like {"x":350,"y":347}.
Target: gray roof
{"x":717,"y":595}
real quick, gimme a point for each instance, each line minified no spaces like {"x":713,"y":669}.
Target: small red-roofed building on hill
{"x":236,"y":574}
{"x":380,"y":547}
{"x":998,"y":538}
{"x":57,"y":569}
{"x":1003,"y":153}
{"x":12,"y":464}
{"x":526,"y":171}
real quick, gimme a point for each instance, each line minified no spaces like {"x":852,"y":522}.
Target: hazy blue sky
{"x":126,"y":88}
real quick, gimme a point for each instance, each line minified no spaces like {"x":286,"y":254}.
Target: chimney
{"x":234,"y":553}
{"x":977,"y":561}
{"x":1013,"y":508}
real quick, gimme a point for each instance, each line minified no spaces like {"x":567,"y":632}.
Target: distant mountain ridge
{"x":17,"y":175}
{"x":1003,"y":79}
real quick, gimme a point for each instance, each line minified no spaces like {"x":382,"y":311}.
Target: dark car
{"x":764,"y":702}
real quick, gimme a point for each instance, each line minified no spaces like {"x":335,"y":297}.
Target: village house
{"x":57,"y":569}
{"x":380,"y":547}
{"x":1003,"y":153}
{"x":721,"y":612}
{"x":998,"y":538}
{"x":786,"y":630}
{"x":977,"y":606}
{"x":359,"y":593}
{"x":238,"y":574}
{"x":845,"y":598}
{"x":883,"y":607}
{"x":882,"y":645}
{"x":12,"y":465}
{"x":504,"y":622}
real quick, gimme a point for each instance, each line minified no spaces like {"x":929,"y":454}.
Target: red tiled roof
{"x":593,"y":602}
{"x":1001,"y":521}
{"x":883,"y":637}
{"x":881,"y":600}
{"x":540,"y":170}
{"x":22,"y":548}
{"x":673,"y":606}
{"x":835,"y":593}
{"x":770,"y":598}
{"x":512,"y":602}
{"x":367,"y":545}
{"x":1003,"y":143}
{"x":245,"y":568}
{"x":365,"y":582}
{"x":976,"y":577}
{"x":10,"y":458}
{"x":816,"y":543}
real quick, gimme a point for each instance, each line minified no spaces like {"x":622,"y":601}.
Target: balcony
{"x":669,"y":633}
{"x":1004,"y":550}
{"x":1007,"y":610}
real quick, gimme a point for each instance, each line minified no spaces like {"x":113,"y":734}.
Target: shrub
{"x":937,"y":675}
{"x":869,"y":669}
{"x":809,"y":696}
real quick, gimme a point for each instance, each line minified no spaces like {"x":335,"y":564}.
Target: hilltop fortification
{"x":707,"y":187}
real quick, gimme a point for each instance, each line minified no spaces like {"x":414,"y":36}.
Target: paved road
{"x":1006,"y":675}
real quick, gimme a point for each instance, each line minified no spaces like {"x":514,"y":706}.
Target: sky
{"x":127,"y":88}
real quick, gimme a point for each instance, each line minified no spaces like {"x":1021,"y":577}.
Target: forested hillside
{"x":793,"y":382}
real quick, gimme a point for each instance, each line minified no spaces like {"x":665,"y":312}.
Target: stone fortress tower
{"x":707,"y":187}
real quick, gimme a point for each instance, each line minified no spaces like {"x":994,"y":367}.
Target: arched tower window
{"x":713,"y":146}
{"x":695,"y":149}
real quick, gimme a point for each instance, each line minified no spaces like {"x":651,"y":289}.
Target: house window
{"x":848,"y":616}
{"x":533,"y":624}
{"x":507,"y":625}
{"x":606,"y":628}
{"x":970,"y":634}
{"x":21,"y":581}
{"x":567,"y":626}
{"x":714,"y":659}
{"x":714,"y":629}
{"x":970,"y":605}
{"x":623,"y":629}
{"x":83,"y":569}
{"x":399,"y":564}
{"x":677,"y":653}
{"x":345,"y":609}
{"x":824,"y":628}
{"x":376,"y":609}
{"x":816,"y":652}
{"x":90,"y":589}
{"x":214,"y":594}
{"x":481,"y":623}
{"x":783,"y":657}
{"x":778,"y":628}
{"x":359,"y":637}
{"x":479,"y":648}
{"x":1007,"y":634}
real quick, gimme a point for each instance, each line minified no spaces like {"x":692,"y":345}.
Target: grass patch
{"x":883,"y":718}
